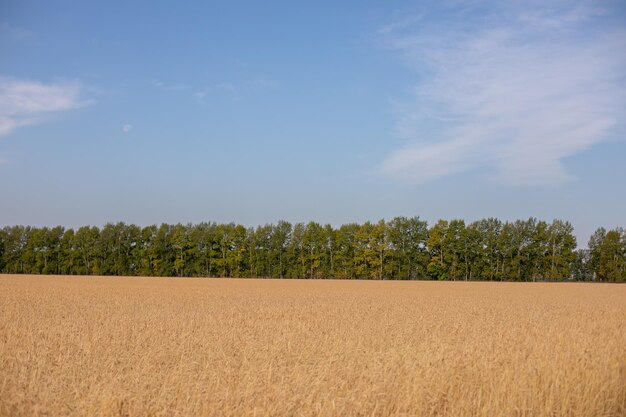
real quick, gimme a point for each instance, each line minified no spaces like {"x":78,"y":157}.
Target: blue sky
{"x":330,"y":111}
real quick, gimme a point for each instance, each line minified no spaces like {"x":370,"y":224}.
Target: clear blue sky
{"x":252,"y":112}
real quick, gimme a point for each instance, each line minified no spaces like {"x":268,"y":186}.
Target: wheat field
{"x":95,"y":346}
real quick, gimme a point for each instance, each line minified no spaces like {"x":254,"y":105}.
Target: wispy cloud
{"x":511,"y":90}
{"x":27,"y":102}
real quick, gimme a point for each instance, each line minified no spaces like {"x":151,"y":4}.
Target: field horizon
{"x":201,"y":278}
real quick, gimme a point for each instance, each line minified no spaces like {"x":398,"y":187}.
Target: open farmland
{"x":226,"y":347}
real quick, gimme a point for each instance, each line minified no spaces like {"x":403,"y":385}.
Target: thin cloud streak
{"x":513,"y":96}
{"x":27,"y":102}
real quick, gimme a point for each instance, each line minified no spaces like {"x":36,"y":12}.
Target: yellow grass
{"x":203,"y":347}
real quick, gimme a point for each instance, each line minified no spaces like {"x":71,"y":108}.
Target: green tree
{"x":403,"y":248}
{"x":183,"y":249}
{"x":490,"y":257}
{"x":608,"y":255}
{"x":370,"y":250}
{"x":258,"y":243}
{"x":3,"y":239}
{"x":279,"y":242}
{"x":313,"y":249}
{"x":562,"y":244}
{"x":454,"y":241}
{"x":345,"y":243}
{"x":437,"y":245}
{"x":581,"y":269}
{"x":330,"y":247}
{"x":15,"y":246}
{"x":471,"y":251}
{"x":408,"y":238}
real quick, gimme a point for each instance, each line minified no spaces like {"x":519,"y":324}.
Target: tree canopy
{"x":402,"y":248}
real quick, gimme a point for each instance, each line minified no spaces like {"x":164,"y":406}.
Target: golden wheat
{"x":92,"y":346}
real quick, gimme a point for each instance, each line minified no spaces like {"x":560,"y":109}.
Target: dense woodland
{"x":403,"y":248}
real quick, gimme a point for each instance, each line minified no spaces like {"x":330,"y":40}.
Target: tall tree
{"x":346,"y":243}
{"x":562,"y":244}
{"x":408,"y":237}
{"x":608,"y":255}
{"x":279,"y":242}
{"x":439,"y":252}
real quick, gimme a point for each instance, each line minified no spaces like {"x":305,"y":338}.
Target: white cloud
{"x":127,"y":128}
{"x":26,"y":102}
{"x":514,"y":95}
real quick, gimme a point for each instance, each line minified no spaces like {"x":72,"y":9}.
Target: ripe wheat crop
{"x":92,"y":346}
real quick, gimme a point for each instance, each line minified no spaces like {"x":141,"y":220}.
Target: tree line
{"x":403,"y":248}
